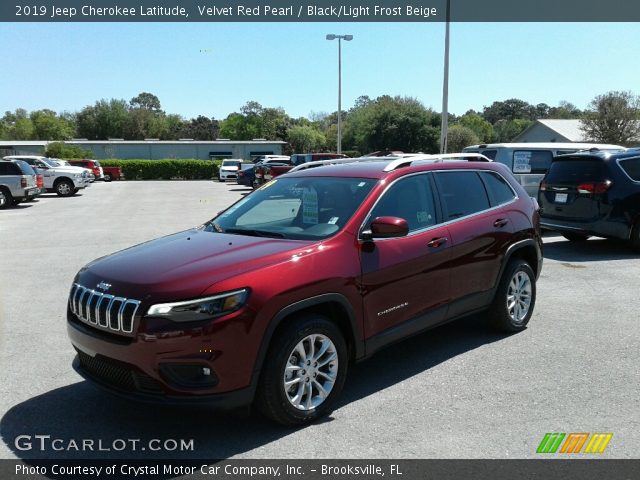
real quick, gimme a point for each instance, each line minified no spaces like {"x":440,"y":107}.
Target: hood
{"x":66,"y":169}
{"x":183,"y":265}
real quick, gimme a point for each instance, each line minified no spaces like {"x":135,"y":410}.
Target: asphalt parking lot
{"x":460,"y":391}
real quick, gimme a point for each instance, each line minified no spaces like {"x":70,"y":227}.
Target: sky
{"x":212,"y":69}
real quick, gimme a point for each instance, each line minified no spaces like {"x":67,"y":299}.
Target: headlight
{"x":77,"y":175}
{"x":201,"y":308}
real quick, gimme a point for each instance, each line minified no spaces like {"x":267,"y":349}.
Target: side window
{"x":4,"y":168}
{"x":632,"y":168}
{"x":499,"y":190}
{"x":462,"y":193}
{"x":410,"y":198}
{"x":532,"y":161}
{"x":490,"y":154}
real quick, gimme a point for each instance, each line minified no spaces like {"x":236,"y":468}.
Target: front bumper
{"x":146,"y":393}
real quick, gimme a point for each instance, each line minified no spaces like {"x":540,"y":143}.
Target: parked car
{"x":93,"y":165}
{"x":17,"y":183}
{"x":246,"y":174}
{"x":229,"y":169}
{"x":271,"y":171}
{"x":593,"y":193}
{"x":263,"y":167}
{"x":530,"y":161}
{"x":63,"y":180}
{"x":274,"y":297}
{"x":112,"y":173}
{"x":87,"y":171}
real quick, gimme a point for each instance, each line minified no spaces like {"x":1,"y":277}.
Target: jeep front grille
{"x":108,"y":312}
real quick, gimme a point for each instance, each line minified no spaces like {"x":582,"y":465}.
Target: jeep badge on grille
{"x":104,"y":286}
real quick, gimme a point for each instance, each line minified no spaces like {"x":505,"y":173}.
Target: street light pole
{"x":444,"y":126}
{"x":347,"y":38}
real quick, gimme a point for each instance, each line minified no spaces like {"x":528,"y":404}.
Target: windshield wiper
{"x":255,"y":233}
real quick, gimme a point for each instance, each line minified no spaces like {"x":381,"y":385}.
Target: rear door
{"x":574,"y":189}
{"x":480,"y":229}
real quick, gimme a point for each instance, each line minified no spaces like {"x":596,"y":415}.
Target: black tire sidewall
{"x":499,"y":312}
{"x":273,"y":396}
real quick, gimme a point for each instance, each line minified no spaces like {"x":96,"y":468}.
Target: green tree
{"x":459,"y":136}
{"x":510,"y":109}
{"x":146,"y":101}
{"x":64,"y":151}
{"x":565,"y":110}
{"x":613,"y":118}
{"x":106,"y":119}
{"x":482,"y":129}
{"x":306,"y":139}
{"x":396,"y":123}
{"x":48,"y":125}
{"x":507,"y":130}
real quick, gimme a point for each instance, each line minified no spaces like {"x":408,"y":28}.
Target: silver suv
{"x":63,"y":180}
{"x":17,"y":183}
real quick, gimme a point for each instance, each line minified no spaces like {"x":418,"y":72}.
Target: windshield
{"x":307,"y":208}
{"x":230,"y":163}
{"x":50,"y":162}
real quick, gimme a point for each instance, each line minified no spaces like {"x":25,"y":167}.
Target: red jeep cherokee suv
{"x":273,"y":298}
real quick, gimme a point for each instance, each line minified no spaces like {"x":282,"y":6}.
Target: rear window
{"x":500,"y":192}
{"x":532,"y":161}
{"x":8,"y":168}
{"x":490,"y":154}
{"x":574,"y":171}
{"x":462,"y":194}
{"x":25,"y":167}
{"x":631,"y":167}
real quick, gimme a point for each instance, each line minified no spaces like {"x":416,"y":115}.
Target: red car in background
{"x":93,"y":165}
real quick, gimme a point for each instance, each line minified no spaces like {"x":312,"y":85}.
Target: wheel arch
{"x":334,"y":306}
{"x":527,"y":250}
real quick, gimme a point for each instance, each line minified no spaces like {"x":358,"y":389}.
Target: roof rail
{"x":396,"y":161}
{"x":406,"y":161}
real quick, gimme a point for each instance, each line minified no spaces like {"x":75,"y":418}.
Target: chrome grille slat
{"x":102,"y":310}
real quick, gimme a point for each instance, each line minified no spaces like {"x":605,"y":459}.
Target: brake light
{"x":595,"y":187}
{"x":23,"y":182}
{"x":543,"y":186}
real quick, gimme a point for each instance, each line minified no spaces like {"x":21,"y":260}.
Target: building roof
{"x":569,"y":129}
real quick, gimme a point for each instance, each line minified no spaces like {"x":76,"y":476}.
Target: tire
{"x":576,"y":237}
{"x":285,"y":359}
{"x":220,"y":179}
{"x":635,"y":236}
{"x":6,"y":200}
{"x":518,"y":280}
{"x":107,"y":177}
{"x":64,"y":188}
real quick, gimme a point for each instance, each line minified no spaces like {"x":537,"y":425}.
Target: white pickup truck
{"x":64,"y":180}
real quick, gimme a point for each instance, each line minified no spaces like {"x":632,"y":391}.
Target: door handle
{"x":436,"y":242}
{"x":501,"y":222}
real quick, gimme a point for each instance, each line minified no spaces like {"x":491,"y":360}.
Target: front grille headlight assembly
{"x":199,"y":309}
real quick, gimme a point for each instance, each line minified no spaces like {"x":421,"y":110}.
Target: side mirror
{"x":386,"y":227}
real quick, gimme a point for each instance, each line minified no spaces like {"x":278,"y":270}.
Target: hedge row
{"x":166,"y":169}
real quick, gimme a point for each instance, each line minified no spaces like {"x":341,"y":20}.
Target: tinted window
{"x":631,"y":168}
{"x":490,"y":154}
{"x":574,"y":171}
{"x":462,"y":193}
{"x":8,"y":168}
{"x":25,"y":168}
{"x":498,"y":188}
{"x":410,"y":198}
{"x":532,"y":161}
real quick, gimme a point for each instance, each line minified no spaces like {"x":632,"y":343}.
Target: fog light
{"x":189,"y":376}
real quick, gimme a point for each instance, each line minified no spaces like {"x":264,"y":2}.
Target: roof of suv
{"x":603,"y":154}
{"x":381,"y":167}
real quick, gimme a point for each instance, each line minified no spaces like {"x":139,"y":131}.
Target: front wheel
{"x":107,"y":177}
{"x":515,"y":298}
{"x":304,"y":371}
{"x":65,"y":188}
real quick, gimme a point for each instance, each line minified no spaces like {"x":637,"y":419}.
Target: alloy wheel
{"x":311,"y":372}
{"x":519,"y":296}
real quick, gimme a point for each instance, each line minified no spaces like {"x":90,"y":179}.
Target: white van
{"x":530,"y":161}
